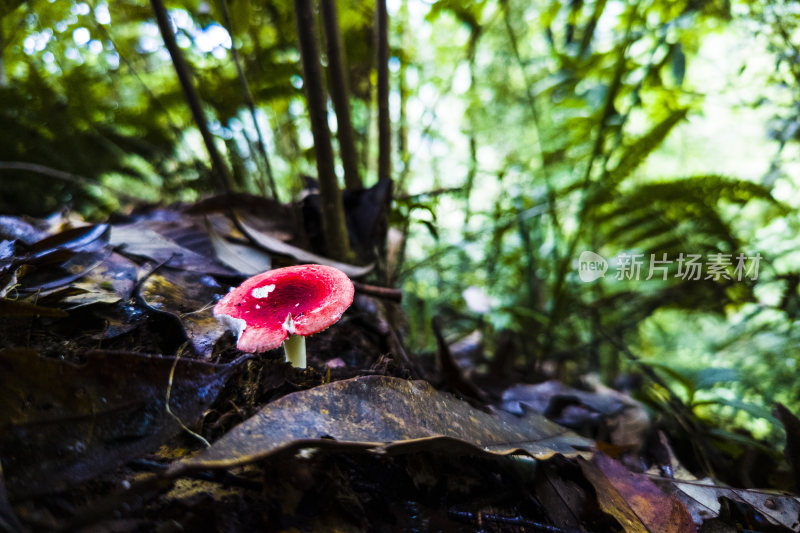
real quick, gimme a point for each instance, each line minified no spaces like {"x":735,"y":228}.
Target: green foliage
{"x":91,"y":92}
{"x":571,"y":101}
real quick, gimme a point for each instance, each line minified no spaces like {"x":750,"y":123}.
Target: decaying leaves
{"x":634,"y":500}
{"x":190,"y":297}
{"x":63,"y":423}
{"x":384,"y":413}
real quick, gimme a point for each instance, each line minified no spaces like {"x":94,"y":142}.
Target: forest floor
{"x":127,"y":407}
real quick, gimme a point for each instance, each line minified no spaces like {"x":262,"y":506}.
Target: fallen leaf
{"x":63,"y":423}
{"x":634,"y":500}
{"x":15,"y":228}
{"x":388,"y":414}
{"x":702,"y":499}
{"x":541,"y":397}
{"x":243,"y":258}
{"x":140,"y":241}
{"x":279,"y":247}
{"x":59,"y":268}
{"x":109,"y":282}
{"x":190,"y":297}
{"x":561,"y":498}
{"x":87,"y":238}
{"x":604,"y":413}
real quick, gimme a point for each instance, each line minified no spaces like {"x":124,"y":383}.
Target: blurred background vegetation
{"x":523,"y":133}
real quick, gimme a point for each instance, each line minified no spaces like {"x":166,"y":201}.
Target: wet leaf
{"x":140,"y":241}
{"x":110,"y":281}
{"x":561,"y":497}
{"x":702,"y":498}
{"x":63,"y":423}
{"x":279,"y":247}
{"x":89,"y":238}
{"x":614,"y":417}
{"x":542,"y":398}
{"x":634,"y":500}
{"x":240,"y":257}
{"x":15,"y":228}
{"x":389,"y":414}
{"x":59,"y":268}
{"x":190,"y":297}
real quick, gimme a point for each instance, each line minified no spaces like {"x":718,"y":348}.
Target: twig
{"x":169,"y":392}
{"x":387,"y":293}
{"x":68,"y":177}
{"x":192,"y":98}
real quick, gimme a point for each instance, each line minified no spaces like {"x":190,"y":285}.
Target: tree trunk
{"x":333,"y":225}
{"x":218,"y":166}
{"x":340,"y":95}
{"x":384,"y":121}
{"x":402,"y":89}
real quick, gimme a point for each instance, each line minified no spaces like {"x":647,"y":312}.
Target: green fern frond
{"x":636,"y":153}
{"x":681,"y":211}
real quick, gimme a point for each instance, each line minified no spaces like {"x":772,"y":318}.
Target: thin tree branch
{"x":61,"y":175}
{"x":337,"y":83}
{"x":248,"y":98}
{"x":218,"y":167}
{"x":384,"y":120}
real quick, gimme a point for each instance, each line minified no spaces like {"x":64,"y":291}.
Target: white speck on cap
{"x":262,"y":292}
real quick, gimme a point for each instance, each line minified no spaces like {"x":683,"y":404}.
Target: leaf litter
{"x":99,"y":320}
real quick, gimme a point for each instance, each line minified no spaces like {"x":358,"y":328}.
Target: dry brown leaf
{"x":387,"y":414}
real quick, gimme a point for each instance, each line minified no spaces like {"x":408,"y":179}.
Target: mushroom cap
{"x":299,"y":300}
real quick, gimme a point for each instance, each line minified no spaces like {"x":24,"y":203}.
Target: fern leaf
{"x":636,"y":153}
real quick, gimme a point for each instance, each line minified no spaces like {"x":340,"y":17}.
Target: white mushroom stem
{"x":295,"y":348}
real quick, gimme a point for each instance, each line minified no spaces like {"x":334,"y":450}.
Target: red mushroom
{"x":284,"y":306}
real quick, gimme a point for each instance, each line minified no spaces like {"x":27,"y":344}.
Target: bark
{"x":384,"y":121}
{"x":340,"y":95}
{"x":333,"y":225}
{"x":218,"y":167}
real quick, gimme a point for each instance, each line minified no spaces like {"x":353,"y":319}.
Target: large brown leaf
{"x":634,"y":500}
{"x":63,"y":423}
{"x":384,"y":413}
